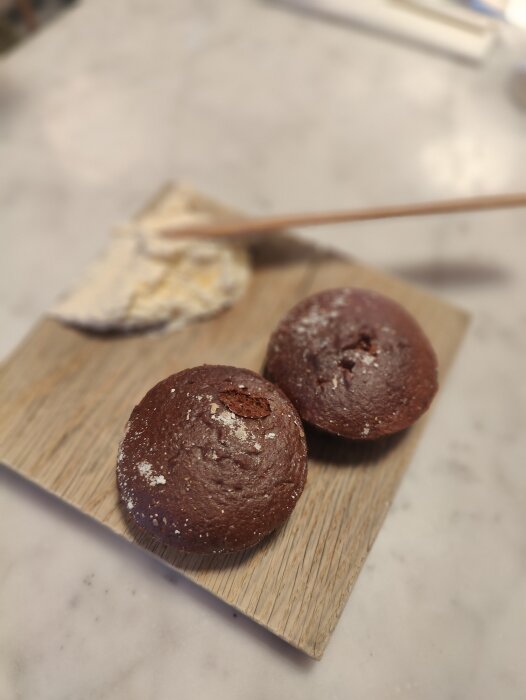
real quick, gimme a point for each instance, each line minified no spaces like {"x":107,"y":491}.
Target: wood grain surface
{"x":66,"y":396}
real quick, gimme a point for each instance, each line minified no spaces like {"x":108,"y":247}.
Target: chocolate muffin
{"x":354,"y":363}
{"x":213,"y":459}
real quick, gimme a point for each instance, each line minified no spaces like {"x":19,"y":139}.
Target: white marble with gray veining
{"x":272,"y":111}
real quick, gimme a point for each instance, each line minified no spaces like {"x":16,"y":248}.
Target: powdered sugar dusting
{"x":237,"y":426}
{"x":241,"y":433}
{"x":146,"y":471}
{"x":315,"y":318}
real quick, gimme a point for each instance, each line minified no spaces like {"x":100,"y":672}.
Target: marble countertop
{"x":272,"y":111}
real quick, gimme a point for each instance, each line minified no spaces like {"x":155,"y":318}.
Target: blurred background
{"x":269,"y":106}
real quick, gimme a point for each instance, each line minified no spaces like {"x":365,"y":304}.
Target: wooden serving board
{"x":66,"y":397}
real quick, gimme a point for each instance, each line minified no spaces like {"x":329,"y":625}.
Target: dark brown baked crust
{"x":213,"y":459}
{"x":354,"y":363}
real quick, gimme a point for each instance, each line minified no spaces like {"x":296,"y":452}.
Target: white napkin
{"x":435,"y":23}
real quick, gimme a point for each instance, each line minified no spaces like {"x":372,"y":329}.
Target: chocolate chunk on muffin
{"x":213,"y":459}
{"x":354,"y":363}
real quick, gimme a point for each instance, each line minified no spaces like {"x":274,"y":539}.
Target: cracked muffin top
{"x":213,"y":459}
{"x":354,"y":363}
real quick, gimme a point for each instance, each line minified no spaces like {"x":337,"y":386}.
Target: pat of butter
{"x":144,"y":281}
